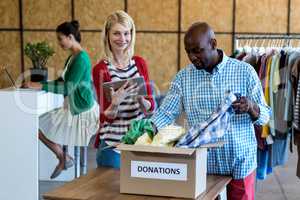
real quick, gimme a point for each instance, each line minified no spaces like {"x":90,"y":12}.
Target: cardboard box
{"x":163,"y":171}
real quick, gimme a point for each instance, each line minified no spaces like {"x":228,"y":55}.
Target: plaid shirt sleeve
{"x":210,"y":130}
{"x":171,"y":106}
{"x":255,"y":93}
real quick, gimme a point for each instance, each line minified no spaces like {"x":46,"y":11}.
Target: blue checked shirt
{"x":213,"y":128}
{"x":198,"y":93}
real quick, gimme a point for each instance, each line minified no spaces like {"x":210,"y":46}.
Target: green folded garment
{"x":137,"y":129}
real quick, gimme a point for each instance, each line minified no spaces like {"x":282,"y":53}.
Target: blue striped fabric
{"x":210,"y":130}
{"x":198,"y":93}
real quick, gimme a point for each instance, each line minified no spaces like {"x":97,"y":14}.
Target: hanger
{"x":254,"y":50}
{"x":286,"y":46}
{"x":239,"y":48}
{"x":262,"y":49}
{"x":247,"y":46}
{"x":277,"y":44}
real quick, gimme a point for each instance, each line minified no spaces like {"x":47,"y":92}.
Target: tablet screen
{"x":117,"y":84}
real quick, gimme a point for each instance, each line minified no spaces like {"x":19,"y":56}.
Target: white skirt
{"x":63,"y":128}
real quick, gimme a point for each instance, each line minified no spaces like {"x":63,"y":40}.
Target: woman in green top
{"x":78,"y":119}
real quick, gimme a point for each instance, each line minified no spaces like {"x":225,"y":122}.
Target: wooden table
{"x":103,"y":184}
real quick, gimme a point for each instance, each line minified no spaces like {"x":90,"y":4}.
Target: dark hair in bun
{"x":68,"y":28}
{"x":75,"y":23}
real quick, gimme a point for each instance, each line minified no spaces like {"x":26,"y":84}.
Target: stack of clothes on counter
{"x":278,"y":70}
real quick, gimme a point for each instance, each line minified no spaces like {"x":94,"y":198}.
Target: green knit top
{"x":76,"y":84}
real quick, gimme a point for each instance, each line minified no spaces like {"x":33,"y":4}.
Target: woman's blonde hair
{"x":124,"y":19}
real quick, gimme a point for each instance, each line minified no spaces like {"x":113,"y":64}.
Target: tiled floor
{"x":282,"y":184}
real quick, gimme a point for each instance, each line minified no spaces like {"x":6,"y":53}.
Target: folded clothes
{"x":213,"y":128}
{"x":143,"y":140}
{"x":168,"y":135}
{"x":137,"y":129}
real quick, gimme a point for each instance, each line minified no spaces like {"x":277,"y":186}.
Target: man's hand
{"x":245,"y":105}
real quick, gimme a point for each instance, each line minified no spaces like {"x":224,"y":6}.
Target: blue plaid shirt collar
{"x":217,"y":68}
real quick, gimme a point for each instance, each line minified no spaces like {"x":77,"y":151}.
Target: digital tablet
{"x":117,"y":84}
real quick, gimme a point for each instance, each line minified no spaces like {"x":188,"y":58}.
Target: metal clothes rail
{"x":285,"y":38}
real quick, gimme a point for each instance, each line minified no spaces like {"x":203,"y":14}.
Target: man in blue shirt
{"x":200,"y":87}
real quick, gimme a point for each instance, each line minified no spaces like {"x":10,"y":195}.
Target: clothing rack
{"x":284,"y":100}
{"x":286,"y":38}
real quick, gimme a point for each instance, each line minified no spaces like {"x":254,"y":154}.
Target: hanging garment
{"x":279,"y":152}
{"x":261,"y":142}
{"x":297,"y":142}
{"x":295,"y":75}
{"x":263,"y":160}
{"x":211,"y":129}
{"x":269,"y":156}
{"x":274,"y":83}
{"x":265,"y":129}
{"x":282,"y":98}
{"x":296,"y":117}
{"x":288,"y":116}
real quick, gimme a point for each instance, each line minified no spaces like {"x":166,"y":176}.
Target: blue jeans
{"x":107,"y":157}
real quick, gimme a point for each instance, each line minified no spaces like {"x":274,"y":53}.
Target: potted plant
{"x":39,"y":53}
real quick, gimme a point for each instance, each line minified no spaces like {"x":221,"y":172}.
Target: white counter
{"x":19,"y":144}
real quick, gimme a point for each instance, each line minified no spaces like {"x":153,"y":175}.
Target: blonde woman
{"x":118,"y":38}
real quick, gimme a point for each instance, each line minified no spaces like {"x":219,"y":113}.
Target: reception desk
{"x":19,"y":145}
